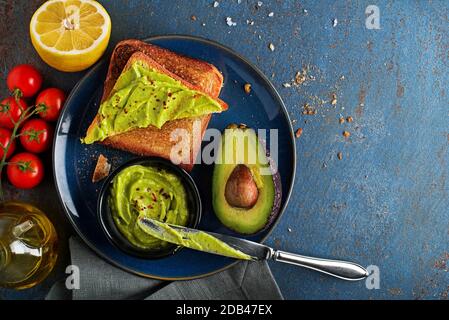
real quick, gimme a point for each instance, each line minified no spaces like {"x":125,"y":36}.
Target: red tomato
{"x":36,"y":135}
{"x":25,"y":170}
{"x":25,"y":78}
{"x":10,"y":105}
{"x":53,"y":99}
{"x":5,"y":137}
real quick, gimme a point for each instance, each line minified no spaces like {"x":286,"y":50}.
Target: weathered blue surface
{"x":386,"y":203}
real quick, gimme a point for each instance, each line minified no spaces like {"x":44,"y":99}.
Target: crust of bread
{"x":102,"y":169}
{"x":151,"y":141}
{"x":197,"y":72}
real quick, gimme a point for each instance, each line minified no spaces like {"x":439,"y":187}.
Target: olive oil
{"x":28,"y":245}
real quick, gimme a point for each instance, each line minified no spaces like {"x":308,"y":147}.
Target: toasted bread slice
{"x":143,"y":58}
{"x":152,"y":141}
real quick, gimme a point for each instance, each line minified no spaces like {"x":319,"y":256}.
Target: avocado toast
{"x":196,"y":82}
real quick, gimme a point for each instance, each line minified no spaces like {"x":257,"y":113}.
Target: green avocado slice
{"x":241,"y":146}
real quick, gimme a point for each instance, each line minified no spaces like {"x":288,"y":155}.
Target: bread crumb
{"x":298,"y":132}
{"x":271,"y":46}
{"x":308,"y":110}
{"x":340,"y":156}
{"x":346,"y":134}
{"x":102,"y":169}
{"x":333,"y":99}
{"x":300,"y":77}
{"x":341,"y":120}
{"x":193,"y":18}
{"x":349,"y":119}
{"x":247,"y":88}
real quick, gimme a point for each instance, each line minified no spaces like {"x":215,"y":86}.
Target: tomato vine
{"x":25,"y":115}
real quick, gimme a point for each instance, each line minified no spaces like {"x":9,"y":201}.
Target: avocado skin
{"x":277,"y":195}
{"x":267,"y":207}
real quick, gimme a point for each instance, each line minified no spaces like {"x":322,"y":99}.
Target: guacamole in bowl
{"x":150,"y":187}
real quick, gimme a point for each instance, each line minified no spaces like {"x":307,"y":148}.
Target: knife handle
{"x":339,"y":269}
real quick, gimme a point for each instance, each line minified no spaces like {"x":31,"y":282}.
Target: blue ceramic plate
{"x":74,"y":163}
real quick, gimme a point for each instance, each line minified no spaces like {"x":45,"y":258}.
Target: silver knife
{"x":186,"y":237}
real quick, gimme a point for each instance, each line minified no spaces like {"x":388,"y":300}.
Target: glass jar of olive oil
{"x":28,"y":245}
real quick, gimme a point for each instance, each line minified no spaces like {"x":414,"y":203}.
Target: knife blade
{"x":204,"y":241}
{"x":247,"y":250}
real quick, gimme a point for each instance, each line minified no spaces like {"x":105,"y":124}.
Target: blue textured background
{"x":386,"y":203}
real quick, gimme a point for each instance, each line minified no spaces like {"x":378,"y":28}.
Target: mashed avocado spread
{"x":147,"y":192}
{"x":142,"y":97}
{"x":197,"y":240}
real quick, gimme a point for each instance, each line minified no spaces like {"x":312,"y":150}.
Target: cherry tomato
{"x":5,"y":137}
{"x":25,"y":78}
{"x":52,"y":99}
{"x":9,"y":108}
{"x":25,"y":170}
{"x":36,"y":135}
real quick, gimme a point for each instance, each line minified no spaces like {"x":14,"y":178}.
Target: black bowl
{"x":108,"y":225}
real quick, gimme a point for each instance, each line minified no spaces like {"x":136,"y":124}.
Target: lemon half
{"x":70,"y":35}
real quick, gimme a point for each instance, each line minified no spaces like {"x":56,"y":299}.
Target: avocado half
{"x":246,"y":190}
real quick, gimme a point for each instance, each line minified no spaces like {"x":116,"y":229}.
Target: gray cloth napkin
{"x":101,"y":280}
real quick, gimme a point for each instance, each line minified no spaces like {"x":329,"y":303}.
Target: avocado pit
{"x":241,"y":189}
